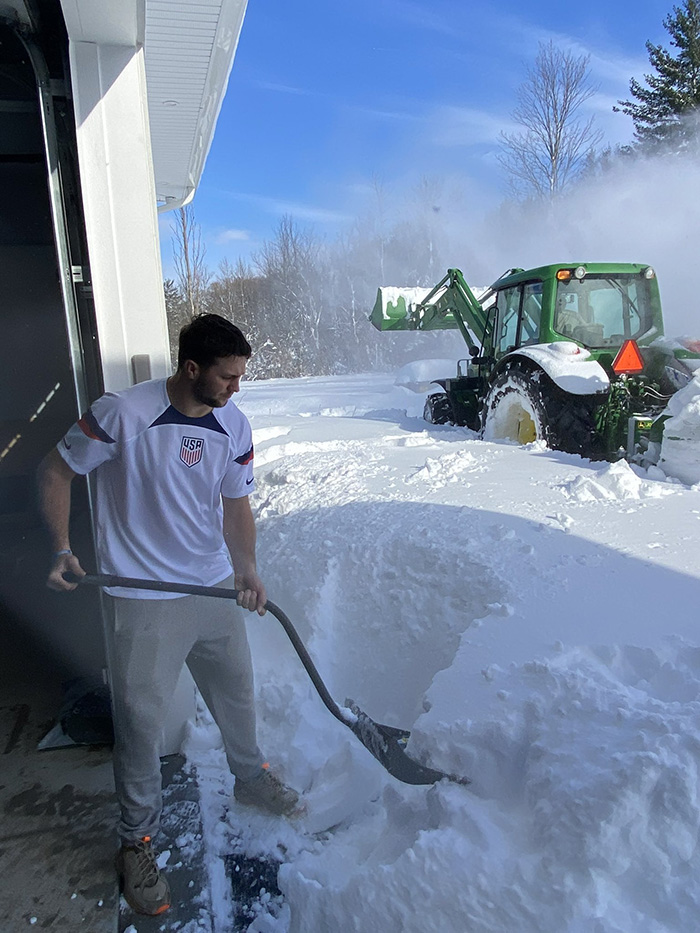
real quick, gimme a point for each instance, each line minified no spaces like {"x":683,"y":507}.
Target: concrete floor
{"x":58,"y":815}
{"x":57,"y":809}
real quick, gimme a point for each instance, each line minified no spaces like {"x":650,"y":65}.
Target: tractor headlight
{"x":649,"y":273}
{"x":580,"y":272}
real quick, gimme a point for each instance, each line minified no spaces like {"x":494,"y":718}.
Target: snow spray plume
{"x":637,"y":208}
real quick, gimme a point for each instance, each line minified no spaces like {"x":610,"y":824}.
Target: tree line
{"x":304,"y":303}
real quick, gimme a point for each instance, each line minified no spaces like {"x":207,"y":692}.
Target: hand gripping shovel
{"x":386,"y":743}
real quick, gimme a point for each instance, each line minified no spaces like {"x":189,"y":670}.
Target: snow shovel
{"x":386,"y":743}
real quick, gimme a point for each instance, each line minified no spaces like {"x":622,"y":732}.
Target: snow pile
{"x":586,"y":767}
{"x":616,"y":481}
{"x":680,"y":448}
{"x":450,"y":468}
{"x":401,"y":301}
{"x":583,"y":816}
{"x":683,"y":342}
{"x":420,"y":375}
{"x":569,"y":366}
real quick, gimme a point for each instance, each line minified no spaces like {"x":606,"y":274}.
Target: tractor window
{"x":519,"y":311}
{"x":508,"y":309}
{"x":532,"y":309}
{"x":601,"y":311}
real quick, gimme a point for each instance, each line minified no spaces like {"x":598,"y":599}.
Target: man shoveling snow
{"x":173,"y":460}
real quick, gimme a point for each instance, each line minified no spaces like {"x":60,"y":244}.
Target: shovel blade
{"x":388,"y":745}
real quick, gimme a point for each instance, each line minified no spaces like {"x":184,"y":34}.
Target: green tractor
{"x":570,"y":354}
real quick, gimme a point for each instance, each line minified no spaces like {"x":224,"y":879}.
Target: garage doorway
{"x":49,"y":365}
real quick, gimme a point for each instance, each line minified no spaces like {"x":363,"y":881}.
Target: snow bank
{"x":350,"y":396}
{"x":680,"y":448}
{"x":682,"y":342}
{"x":589,"y":819}
{"x":586,"y":769}
{"x":420,"y":375}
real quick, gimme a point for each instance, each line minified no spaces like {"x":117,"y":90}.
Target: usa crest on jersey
{"x":191,"y":450}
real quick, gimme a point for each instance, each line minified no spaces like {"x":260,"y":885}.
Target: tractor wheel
{"x":526,"y":406}
{"x":438,"y":409}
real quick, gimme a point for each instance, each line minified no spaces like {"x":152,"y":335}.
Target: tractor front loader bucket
{"x":401,"y":309}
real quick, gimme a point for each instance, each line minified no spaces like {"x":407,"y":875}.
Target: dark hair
{"x":209,"y":337}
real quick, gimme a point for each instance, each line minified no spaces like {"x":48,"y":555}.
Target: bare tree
{"x":176,"y":315}
{"x":238,"y":294}
{"x":380,"y":221}
{"x":234,"y":292}
{"x":294,"y":303}
{"x":428,"y":197}
{"x":555,"y":141}
{"x":189,"y":251}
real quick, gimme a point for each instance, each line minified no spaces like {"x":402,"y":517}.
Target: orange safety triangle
{"x":629,"y":359}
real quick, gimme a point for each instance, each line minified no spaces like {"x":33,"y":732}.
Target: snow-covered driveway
{"x":530,"y":616}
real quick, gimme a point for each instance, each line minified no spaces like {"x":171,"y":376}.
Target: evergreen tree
{"x":666,"y":111}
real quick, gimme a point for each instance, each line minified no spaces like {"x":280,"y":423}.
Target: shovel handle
{"x":220,"y":592}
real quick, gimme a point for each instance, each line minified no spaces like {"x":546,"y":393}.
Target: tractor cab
{"x":598,"y":306}
{"x":601,"y":310}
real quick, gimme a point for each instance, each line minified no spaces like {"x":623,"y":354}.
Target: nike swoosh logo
{"x":249,"y":481}
{"x":66,"y":444}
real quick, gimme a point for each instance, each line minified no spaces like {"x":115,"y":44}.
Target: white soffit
{"x":189,"y":49}
{"x":105,"y":22}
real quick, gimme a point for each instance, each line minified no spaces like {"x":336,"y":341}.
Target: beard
{"x":203,"y":393}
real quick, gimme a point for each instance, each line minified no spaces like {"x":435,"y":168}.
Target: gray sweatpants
{"x":148,"y":641}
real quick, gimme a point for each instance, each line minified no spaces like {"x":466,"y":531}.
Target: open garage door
{"x":49,"y":365}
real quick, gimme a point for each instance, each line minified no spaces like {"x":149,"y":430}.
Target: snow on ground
{"x":680,"y":451}
{"x":529,"y":615}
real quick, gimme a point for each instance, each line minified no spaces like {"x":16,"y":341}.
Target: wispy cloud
{"x":222,"y":237}
{"x":338,"y":101}
{"x":606,"y":64}
{"x":601,"y":103}
{"x":466,"y":126}
{"x":284,"y":88}
{"x":390,"y":115}
{"x":416,"y":14}
{"x":306,"y":212}
{"x":299,"y":210}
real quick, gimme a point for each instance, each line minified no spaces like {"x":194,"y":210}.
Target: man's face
{"x":215,"y":385}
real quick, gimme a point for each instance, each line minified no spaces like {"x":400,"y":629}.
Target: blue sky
{"x":328,"y":97}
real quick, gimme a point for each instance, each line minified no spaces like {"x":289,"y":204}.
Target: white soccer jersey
{"x":160,"y":480}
